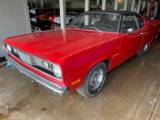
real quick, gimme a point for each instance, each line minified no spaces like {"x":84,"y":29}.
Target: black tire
{"x":94,"y":80}
{"x":44,"y":24}
{"x":144,"y":49}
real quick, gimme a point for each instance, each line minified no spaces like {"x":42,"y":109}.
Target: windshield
{"x":97,"y":21}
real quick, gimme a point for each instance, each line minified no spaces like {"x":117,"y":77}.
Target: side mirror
{"x":129,"y":30}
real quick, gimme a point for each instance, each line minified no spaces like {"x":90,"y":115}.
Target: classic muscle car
{"x":79,"y":56}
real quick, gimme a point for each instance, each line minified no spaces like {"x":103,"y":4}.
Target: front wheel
{"x":94,"y":80}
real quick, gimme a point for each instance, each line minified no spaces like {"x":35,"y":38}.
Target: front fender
{"x":76,"y":65}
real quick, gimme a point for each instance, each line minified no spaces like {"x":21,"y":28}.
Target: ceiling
{"x":57,"y":1}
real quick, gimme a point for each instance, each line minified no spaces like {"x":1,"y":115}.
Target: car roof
{"x":122,"y":12}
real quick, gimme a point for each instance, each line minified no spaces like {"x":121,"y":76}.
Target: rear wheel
{"x":94,"y":80}
{"x":144,"y":50}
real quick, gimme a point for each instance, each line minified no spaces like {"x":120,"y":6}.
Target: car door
{"x":131,"y":37}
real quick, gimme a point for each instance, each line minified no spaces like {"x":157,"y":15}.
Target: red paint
{"x":51,"y":18}
{"x":78,"y":50}
{"x":46,"y":15}
{"x":157,"y":22}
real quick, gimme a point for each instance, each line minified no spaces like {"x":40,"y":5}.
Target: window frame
{"x":102,"y":13}
{"x":136,"y":22}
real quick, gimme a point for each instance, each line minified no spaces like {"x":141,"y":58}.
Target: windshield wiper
{"x":93,"y":28}
{"x":74,"y":26}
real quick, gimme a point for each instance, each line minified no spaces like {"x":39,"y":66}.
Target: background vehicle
{"x":51,"y":18}
{"x":46,"y":15}
{"x":41,"y":22}
{"x":69,"y":17}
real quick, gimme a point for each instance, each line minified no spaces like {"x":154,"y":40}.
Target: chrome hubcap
{"x":146,"y":47}
{"x":96,"y":79}
{"x":36,"y":29}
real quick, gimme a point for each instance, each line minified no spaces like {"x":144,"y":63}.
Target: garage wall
{"x":14,"y":19}
{"x":75,"y":5}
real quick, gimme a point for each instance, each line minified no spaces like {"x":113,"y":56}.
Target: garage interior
{"x":131,"y":92}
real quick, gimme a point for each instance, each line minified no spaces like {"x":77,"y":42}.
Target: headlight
{"x":45,"y":64}
{"x":56,"y":71}
{"x":9,"y":48}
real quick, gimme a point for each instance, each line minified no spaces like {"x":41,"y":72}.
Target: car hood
{"x":51,"y":45}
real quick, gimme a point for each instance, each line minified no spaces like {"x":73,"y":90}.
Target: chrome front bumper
{"x":54,"y":87}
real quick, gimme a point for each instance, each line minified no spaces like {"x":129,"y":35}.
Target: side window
{"x":139,"y":21}
{"x":128,"y":22}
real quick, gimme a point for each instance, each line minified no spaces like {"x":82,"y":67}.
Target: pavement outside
{"x":131,"y":92}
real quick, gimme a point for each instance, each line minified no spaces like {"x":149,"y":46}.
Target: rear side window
{"x":139,"y":21}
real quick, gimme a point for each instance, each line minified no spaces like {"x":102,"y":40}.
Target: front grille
{"x":32,"y":61}
{"x":25,"y":57}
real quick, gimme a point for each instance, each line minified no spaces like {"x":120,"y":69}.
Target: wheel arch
{"x":106,"y":61}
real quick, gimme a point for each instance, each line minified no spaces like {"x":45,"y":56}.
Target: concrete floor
{"x":132,"y":92}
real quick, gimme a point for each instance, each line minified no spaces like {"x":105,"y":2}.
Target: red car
{"x":46,"y":15}
{"x":79,"y":57}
